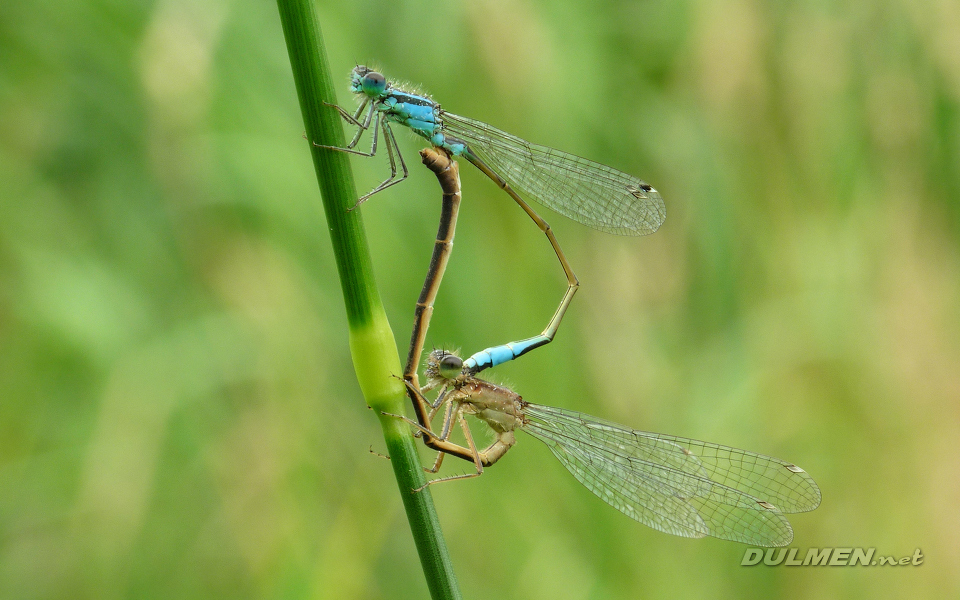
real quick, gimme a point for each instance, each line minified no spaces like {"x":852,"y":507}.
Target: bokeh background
{"x":178,"y":412}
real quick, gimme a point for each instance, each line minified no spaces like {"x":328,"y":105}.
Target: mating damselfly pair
{"x":676,"y":485}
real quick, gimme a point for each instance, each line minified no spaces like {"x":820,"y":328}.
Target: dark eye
{"x":450,"y":366}
{"x":374,"y":79}
{"x":451,"y":362}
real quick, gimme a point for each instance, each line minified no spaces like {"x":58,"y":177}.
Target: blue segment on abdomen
{"x":455,"y":146}
{"x":497,"y":355}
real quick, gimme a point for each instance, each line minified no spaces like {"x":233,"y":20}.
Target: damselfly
{"x":585,"y":191}
{"x":676,"y":485}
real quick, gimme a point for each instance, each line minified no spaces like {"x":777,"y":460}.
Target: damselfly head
{"x":364,"y":80}
{"x":443,"y":365}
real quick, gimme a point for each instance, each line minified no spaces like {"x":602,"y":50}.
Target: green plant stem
{"x":372,"y":344}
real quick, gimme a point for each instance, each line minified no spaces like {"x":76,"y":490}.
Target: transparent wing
{"x":587,"y":192}
{"x":677,"y":485}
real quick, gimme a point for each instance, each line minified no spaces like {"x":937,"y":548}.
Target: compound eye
{"x":450,"y":366}
{"x":374,"y":83}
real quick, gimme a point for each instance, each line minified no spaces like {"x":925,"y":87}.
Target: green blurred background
{"x":179,"y":416}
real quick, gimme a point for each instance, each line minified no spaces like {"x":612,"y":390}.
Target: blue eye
{"x":373,"y":84}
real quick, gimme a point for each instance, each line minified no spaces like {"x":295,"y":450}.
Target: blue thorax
{"x":418,"y":112}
